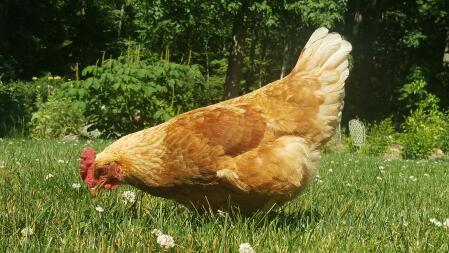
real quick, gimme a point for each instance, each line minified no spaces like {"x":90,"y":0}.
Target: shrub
{"x":422,"y":131}
{"x":379,"y":138}
{"x":18,"y":100}
{"x":444,"y":136}
{"x":127,"y":94}
{"x":57,"y":118}
{"x":424,"y":126}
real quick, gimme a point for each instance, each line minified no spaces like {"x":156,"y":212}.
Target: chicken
{"x":252,"y":152}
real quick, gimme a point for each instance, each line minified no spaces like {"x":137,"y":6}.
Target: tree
{"x":235,"y":62}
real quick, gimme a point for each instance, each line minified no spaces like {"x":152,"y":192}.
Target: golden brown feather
{"x":251,"y":152}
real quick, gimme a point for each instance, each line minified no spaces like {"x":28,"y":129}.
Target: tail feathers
{"x":325,"y":59}
{"x":326,"y":55}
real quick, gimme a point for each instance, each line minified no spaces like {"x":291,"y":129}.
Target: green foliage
{"x":18,"y":102}
{"x":421,"y":133}
{"x":320,"y":13}
{"x":444,"y":137}
{"x":379,"y":138}
{"x":424,"y":126}
{"x":57,"y":118}
{"x":414,"y":94}
{"x":127,"y":94}
{"x":52,"y":35}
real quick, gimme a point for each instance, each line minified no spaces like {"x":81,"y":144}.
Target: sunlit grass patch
{"x":347,"y":209}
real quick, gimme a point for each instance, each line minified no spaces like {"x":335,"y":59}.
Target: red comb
{"x":87,"y":164}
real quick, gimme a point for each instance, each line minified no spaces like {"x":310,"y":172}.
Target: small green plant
{"x":420,"y":136}
{"x":127,"y":94}
{"x":18,"y":100}
{"x":57,"y":117}
{"x":379,"y":138}
{"x":444,"y":136}
{"x":424,"y":126}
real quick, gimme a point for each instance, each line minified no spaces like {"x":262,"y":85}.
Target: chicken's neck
{"x":140,"y":155}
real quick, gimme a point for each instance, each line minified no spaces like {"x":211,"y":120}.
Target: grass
{"x":353,"y":207}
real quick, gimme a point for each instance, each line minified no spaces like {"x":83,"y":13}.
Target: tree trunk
{"x":446,"y":51}
{"x":263,"y":56}
{"x":285,"y":57}
{"x":207,"y":61}
{"x":235,"y":61}
{"x":120,"y":23}
{"x":249,"y":80}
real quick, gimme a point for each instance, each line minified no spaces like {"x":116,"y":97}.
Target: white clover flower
{"x":381,"y":167}
{"x":446,"y":224}
{"x":331,"y":170}
{"x":379,"y":178}
{"x":413,"y":178}
{"x":165,"y":241}
{"x":76,"y":185}
{"x":221,"y":213}
{"x":426,"y":175}
{"x":34,"y":78}
{"x":436,"y":222}
{"x":99,"y":209}
{"x":246,"y":248}
{"x":129,"y":197}
{"x":47,"y":177}
{"x":61,"y":161}
{"x":27,"y":231}
{"x":156,"y":232}
{"x":103,"y":107}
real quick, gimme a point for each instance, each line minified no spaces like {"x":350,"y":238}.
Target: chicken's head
{"x":98,"y":175}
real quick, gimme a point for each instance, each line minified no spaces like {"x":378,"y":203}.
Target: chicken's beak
{"x":94,"y":190}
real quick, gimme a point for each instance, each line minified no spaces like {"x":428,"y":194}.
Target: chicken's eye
{"x":100,"y":172}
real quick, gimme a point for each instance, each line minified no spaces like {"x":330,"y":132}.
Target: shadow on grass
{"x":279,"y":219}
{"x":300,"y":219}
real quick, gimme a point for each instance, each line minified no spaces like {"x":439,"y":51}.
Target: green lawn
{"x":354,"y":206}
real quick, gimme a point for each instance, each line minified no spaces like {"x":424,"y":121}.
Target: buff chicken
{"x":251,"y":153}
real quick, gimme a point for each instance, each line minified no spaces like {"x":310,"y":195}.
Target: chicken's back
{"x":308,"y":102}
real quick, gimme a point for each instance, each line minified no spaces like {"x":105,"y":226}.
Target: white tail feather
{"x":325,"y":57}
